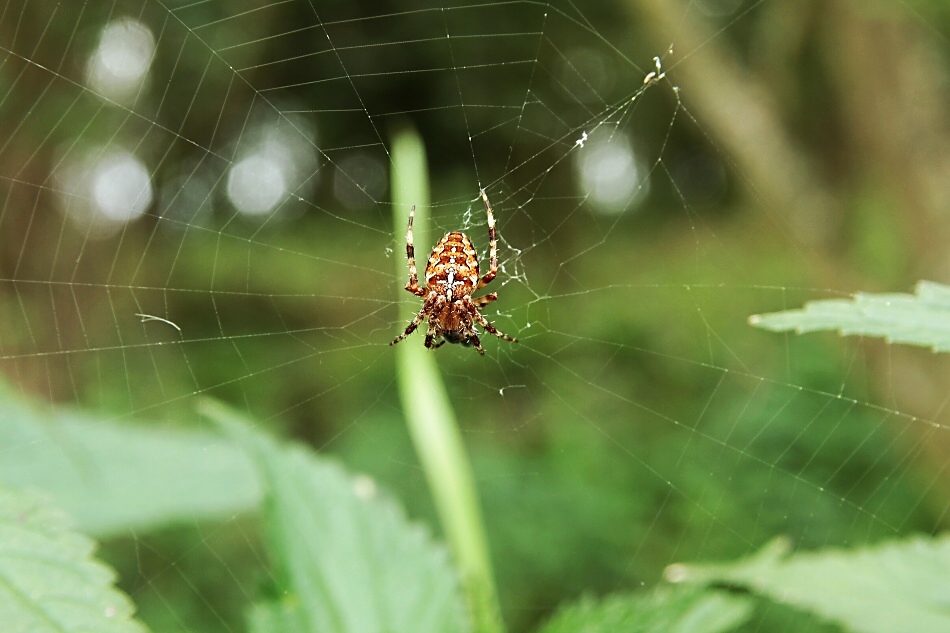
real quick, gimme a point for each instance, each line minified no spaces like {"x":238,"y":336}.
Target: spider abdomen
{"x":452,"y":270}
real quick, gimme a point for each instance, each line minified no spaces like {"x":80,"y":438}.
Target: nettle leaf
{"x":668,"y":609}
{"x":49,"y":581}
{"x":271,"y":617}
{"x":920,"y":319}
{"x":892,"y":587}
{"x":115,"y":476}
{"x":347,"y":556}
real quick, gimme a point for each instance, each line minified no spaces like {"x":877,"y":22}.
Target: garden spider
{"x":451,"y":278}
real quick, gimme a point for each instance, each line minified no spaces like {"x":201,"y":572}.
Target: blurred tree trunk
{"x":882,"y":86}
{"x":891,"y":83}
{"x":743,"y":115}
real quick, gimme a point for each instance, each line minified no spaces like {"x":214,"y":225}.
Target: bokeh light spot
{"x":256,"y":184}
{"x":120,"y":63}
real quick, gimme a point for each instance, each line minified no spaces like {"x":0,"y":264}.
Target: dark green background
{"x":642,"y":421}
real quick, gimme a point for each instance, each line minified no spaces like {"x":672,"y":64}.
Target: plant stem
{"x":429,"y":415}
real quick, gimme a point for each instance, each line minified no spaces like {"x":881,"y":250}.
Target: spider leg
{"x":485,"y":323}
{"x":481,"y":302}
{"x":413,"y":285}
{"x":434,"y":338}
{"x":412,"y":325}
{"x":473,"y":313}
{"x":492,"y":245}
{"x":476,"y":343}
{"x":468,"y":320}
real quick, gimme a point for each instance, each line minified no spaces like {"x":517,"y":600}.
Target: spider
{"x":451,"y":278}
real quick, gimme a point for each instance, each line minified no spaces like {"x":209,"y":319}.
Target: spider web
{"x":195,"y":201}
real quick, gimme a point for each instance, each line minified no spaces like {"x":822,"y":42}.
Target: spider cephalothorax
{"x":451,"y":278}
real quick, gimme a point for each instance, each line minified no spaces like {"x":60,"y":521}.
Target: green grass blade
{"x":432,"y":423}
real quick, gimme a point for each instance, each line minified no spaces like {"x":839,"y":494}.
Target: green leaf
{"x":920,"y":319}
{"x":893,"y":587}
{"x":665,"y":610}
{"x":284,"y":616}
{"x":49,"y":581}
{"x":115,"y":476}
{"x":344,"y":552}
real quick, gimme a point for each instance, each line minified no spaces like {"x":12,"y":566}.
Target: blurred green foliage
{"x":642,"y":421}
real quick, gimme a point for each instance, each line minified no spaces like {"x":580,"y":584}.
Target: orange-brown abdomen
{"x":453,"y":266}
